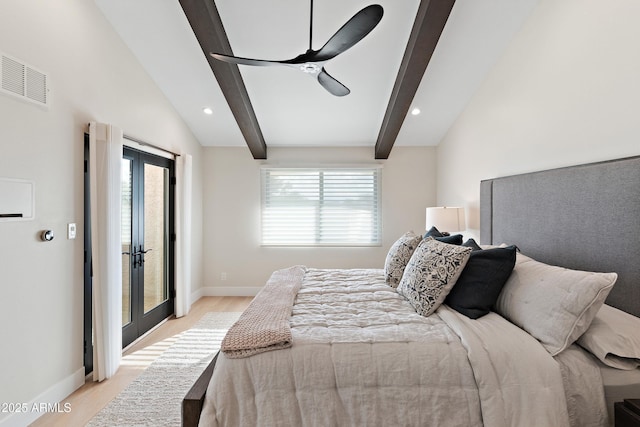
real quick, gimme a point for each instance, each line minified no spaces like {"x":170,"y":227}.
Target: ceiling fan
{"x":312,"y":61}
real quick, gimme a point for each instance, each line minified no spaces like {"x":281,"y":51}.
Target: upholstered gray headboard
{"x":583,"y":217}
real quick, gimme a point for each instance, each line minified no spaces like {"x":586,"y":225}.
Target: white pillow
{"x":614,"y":338}
{"x":553,"y":304}
{"x":430,"y":274}
{"x":398,"y":256}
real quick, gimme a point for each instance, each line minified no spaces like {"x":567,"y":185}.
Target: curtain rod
{"x":130,"y":138}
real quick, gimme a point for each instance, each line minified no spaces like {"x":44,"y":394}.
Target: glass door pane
{"x":127,"y":209}
{"x":147,"y":242}
{"x":156,"y":233}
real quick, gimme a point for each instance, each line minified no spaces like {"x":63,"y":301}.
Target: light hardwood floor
{"x":89,"y":399}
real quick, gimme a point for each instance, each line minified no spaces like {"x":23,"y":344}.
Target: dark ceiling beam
{"x":430,"y":21}
{"x":207,"y":26}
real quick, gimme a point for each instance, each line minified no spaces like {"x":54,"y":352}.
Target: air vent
{"x":23,"y":81}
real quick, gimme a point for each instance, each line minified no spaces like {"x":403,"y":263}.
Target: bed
{"x":356,"y":350}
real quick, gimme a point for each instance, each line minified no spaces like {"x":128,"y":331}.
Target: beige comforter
{"x":360,"y":355}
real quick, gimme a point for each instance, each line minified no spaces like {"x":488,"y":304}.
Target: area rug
{"x":155,"y":397}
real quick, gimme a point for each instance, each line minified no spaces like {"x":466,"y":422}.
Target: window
{"x":321,"y":207}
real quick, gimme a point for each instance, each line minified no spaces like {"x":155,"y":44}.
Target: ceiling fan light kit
{"x":312,"y":61}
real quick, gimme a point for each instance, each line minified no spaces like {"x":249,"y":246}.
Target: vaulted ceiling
{"x":430,"y":55}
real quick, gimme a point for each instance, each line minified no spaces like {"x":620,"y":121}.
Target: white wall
{"x":232,"y":212}
{"x":566,"y":92}
{"x":93,"y":77}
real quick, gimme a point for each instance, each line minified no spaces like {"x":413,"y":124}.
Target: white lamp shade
{"x":446,"y":219}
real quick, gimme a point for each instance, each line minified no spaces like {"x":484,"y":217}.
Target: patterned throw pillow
{"x":398,"y":257}
{"x":430,"y":274}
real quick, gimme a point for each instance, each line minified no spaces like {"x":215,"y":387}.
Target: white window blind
{"x":321,"y":207}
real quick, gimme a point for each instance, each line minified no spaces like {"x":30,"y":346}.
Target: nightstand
{"x":627,"y":413}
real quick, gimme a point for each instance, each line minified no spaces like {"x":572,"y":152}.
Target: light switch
{"x":71,"y":231}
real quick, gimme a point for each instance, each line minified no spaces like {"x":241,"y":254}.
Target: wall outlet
{"x":71,"y":231}
{"x":223,"y":276}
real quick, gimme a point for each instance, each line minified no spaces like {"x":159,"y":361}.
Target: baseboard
{"x":195,"y":296}
{"x":226,"y":291}
{"x":46,"y":402}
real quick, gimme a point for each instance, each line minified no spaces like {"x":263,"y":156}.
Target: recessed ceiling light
{"x":207,"y":110}
{"x":415,"y":111}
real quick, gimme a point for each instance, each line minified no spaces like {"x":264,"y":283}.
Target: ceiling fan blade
{"x":332,"y":85}
{"x":245,"y":61}
{"x":350,"y":33}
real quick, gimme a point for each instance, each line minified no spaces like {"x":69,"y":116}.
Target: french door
{"x":148,"y":184}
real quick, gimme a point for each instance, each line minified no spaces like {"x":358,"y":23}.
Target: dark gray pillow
{"x":433,"y":232}
{"x":456,"y":239}
{"x":471,"y":243}
{"x":481,"y":281}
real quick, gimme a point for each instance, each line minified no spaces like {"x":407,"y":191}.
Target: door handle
{"x":140,"y":254}
{"x":134,"y":254}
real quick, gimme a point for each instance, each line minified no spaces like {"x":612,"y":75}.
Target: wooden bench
{"x":627,"y":413}
{"x":194,"y":400}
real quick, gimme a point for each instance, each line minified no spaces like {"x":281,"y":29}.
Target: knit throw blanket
{"x":264,"y":325}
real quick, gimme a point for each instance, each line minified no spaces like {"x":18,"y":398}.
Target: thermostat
{"x":47,"y":235}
